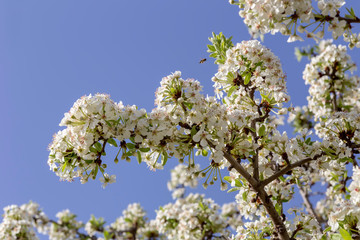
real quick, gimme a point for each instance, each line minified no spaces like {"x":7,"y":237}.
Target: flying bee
{"x":202,"y":60}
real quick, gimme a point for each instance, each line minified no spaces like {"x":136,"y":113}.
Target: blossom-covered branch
{"x":294,"y":18}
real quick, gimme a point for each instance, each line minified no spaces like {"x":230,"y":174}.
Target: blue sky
{"x":54,"y":52}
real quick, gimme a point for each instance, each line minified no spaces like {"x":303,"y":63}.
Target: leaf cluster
{"x":220,"y":44}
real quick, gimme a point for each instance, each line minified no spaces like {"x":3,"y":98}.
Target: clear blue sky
{"x":53,"y":52}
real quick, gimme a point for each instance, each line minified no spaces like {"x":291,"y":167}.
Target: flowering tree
{"x":237,"y":130}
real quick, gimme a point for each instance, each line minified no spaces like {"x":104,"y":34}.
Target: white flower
{"x":107,"y":179}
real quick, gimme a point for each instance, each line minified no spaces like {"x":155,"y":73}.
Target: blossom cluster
{"x":296,"y":17}
{"x":329,"y":81}
{"x":183,"y":120}
{"x":193,"y":217}
{"x":333,"y":111}
{"x":66,"y":227}
{"x":182,"y":176}
{"x":18,"y":222}
{"x":346,"y":213}
{"x":95,"y":121}
{"x":263,"y":16}
{"x":133,"y":217}
{"x":239,"y":132}
{"x":76,"y":150}
{"x":251,"y":66}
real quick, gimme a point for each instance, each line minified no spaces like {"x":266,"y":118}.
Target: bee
{"x":202,"y":60}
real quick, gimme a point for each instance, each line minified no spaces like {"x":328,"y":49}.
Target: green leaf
{"x":351,"y":14}
{"x":63,"y":167}
{"x":96,"y":171}
{"x":108,"y":123}
{"x":278,"y":208}
{"x":188,"y":105}
{"x":193,"y":131}
{"x":347,"y":125}
{"x":107,"y":235}
{"x":201,"y":205}
{"x":228,"y":179}
{"x":231,"y":90}
{"x":266,"y":97}
{"x":211,"y":48}
{"x":92,"y":149}
{"x":128,"y":220}
{"x":298,"y":54}
{"x":204,"y":152}
{"x":139,"y":157}
{"x":164,"y":158}
{"x":247,"y":78}
{"x":233,"y":189}
{"x":244,"y":196}
{"x":130,"y":145}
{"x":98,"y":146}
{"x":251,"y":129}
{"x":238,"y":183}
{"x":111,"y":141}
{"x":323,"y":237}
{"x":144,"y":149}
{"x":230,"y":76}
{"x":282,"y":178}
{"x":327,"y":229}
{"x":345,"y":234}
{"x":337,"y":186}
{"x":262,"y":130}
{"x":213,"y":55}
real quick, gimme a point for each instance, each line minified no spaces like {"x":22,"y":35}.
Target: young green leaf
{"x":144,"y":149}
{"x":345,"y":234}
{"x":164,"y":158}
{"x":98,"y":146}
{"x":262,"y":130}
{"x":204,"y":152}
{"x":247,"y":78}
{"x":139,"y":157}
{"x":112,"y":142}
{"x":130,"y":145}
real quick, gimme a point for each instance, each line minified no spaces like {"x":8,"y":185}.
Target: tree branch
{"x":264,"y":197}
{"x":275,"y":217}
{"x":349,"y":20}
{"x":288,"y":168}
{"x":256,"y":137}
{"x":252,"y":181}
{"x":309,"y":206}
{"x":324,"y":18}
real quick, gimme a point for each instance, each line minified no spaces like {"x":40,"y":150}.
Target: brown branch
{"x":252,"y":181}
{"x":309,"y":206}
{"x":349,"y":20}
{"x":132,"y":230}
{"x":264,"y":197}
{"x":275,"y":217}
{"x":288,"y":168}
{"x":255,"y":159}
{"x":98,"y":158}
{"x":324,"y":18}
